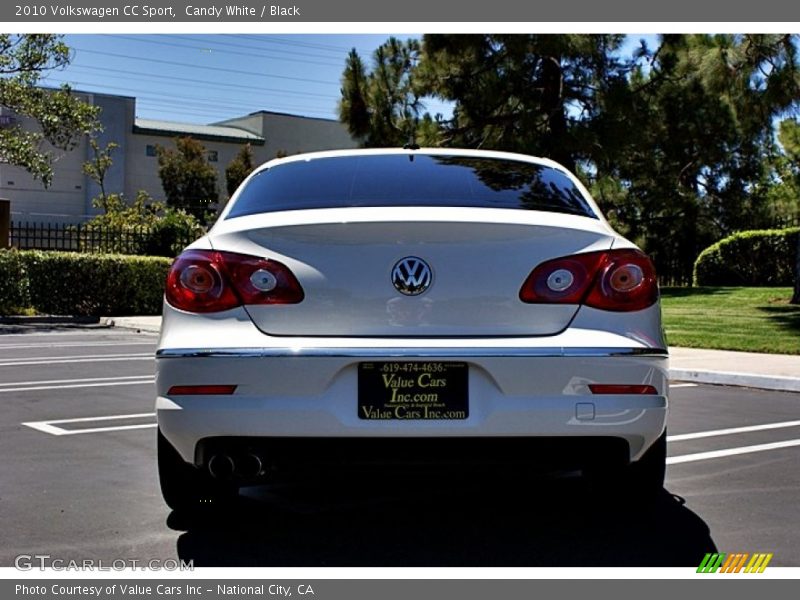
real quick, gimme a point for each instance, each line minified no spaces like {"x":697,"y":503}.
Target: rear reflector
{"x":616,"y":388}
{"x":201,"y":390}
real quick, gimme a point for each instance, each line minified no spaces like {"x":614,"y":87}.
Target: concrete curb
{"x":49,"y":320}
{"x":133,"y":324}
{"x":749,"y":380}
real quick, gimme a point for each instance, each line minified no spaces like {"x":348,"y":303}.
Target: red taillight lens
{"x":262,"y":281}
{"x":197,"y":283}
{"x":201,"y":390}
{"x":618,"y":388}
{"x":205,"y":281}
{"x":563,"y":280}
{"x":617,"y":280}
{"x":626,"y":282}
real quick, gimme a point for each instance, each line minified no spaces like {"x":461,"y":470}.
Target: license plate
{"x":402,"y":390}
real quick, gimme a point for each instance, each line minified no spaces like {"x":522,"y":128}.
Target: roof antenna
{"x":411,"y":144}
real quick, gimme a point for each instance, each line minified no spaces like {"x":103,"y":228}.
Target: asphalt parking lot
{"x":78,"y":481}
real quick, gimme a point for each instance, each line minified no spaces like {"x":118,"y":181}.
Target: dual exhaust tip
{"x":224,"y":466}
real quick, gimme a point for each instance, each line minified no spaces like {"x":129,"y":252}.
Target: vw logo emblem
{"x":411,"y":276}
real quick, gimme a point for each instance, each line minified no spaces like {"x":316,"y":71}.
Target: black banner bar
{"x":441,"y":11}
{"x":396,"y":589}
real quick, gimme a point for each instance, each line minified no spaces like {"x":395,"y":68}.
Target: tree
{"x":696,"y":127}
{"x":152,"y":228}
{"x":353,"y":107}
{"x":96,"y":169}
{"x":189,"y":181}
{"x":382,"y":107}
{"x":784,"y":191}
{"x":537,"y":94}
{"x":676,"y":142}
{"x":789,"y":136}
{"x":238,"y":169}
{"x":62,"y":118}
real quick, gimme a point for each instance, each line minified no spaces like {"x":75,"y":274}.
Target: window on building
{"x":150,"y":150}
{"x":212,"y":156}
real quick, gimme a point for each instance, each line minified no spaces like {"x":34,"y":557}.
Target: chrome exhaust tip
{"x":221,"y":466}
{"x":249,"y":465}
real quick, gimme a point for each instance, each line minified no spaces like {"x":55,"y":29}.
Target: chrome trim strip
{"x":395,"y":352}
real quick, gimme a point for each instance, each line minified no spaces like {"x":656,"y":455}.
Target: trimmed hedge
{"x":750,"y":258}
{"x":69,"y":283}
{"x":14,"y":291}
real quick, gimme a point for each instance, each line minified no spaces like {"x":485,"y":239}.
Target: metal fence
{"x":785,"y":222}
{"x":674,"y":275}
{"x":85,"y":238}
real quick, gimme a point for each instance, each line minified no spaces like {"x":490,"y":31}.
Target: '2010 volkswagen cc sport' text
{"x":385,"y":305}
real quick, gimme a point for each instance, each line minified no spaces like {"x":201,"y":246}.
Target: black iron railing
{"x":90,"y":238}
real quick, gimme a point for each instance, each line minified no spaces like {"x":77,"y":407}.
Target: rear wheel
{"x":640,"y":482}
{"x":185,"y":487}
{"x":646,"y":476}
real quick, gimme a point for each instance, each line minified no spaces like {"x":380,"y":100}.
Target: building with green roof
{"x":135,"y":166}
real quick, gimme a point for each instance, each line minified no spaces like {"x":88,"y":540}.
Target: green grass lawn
{"x":732,"y":318}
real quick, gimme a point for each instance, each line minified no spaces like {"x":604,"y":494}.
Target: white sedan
{"x":426,"y":307}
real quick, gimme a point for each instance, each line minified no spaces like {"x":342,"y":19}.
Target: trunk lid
{"x":478,"y":259}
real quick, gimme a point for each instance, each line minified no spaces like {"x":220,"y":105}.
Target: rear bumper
{"x":286,"y":458}
{"x":310,"y":393}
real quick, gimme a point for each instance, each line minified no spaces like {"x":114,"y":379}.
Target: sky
{"x":194,"y":78}
{"x":208,"y":78}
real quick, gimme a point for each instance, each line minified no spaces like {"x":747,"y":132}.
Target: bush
{"x":170,"y":234}
{"x":750,"y":258}
{"x":154,"y":229}
{"x":67,"y":283}
{"x":14,"y":293}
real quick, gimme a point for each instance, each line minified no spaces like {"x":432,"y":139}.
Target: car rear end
{"x":426,"y":308}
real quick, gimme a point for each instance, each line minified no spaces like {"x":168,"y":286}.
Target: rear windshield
{"x":410,"y":180}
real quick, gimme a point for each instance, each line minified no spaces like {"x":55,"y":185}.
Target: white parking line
{"x":50,"y":426}
{"x":732,"y":430}
{"x":674,"y":460}
{"x":77,"y":333}
{"x":145,"y":379}
{"x":73,"y":345}
{"x":59,"y":360}
{"x":104,"y":429}
{"x":108,"y":418}
{"x":87,"y":380}
{"x":682,"y":385}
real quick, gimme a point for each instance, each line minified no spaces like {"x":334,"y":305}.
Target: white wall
{"x":69,"y":199}
{"x":64,"y":200}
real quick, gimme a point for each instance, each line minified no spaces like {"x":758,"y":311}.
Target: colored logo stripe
{"x":711,"y":563}
{"x":758,"y":563}
{"x":733,"y":563}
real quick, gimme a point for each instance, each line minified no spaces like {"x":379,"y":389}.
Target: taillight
{"x":201,"y":390}
{"x":619,"y":388}
{"x":205,"y":281}
{"x":627,"y":281}
{"x":563,"y":280}
{"x":616,"y":280}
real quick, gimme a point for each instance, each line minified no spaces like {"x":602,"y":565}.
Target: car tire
{"x":185,"y":487}
{"x":639,"y":483}
{"x":646,"y":476}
